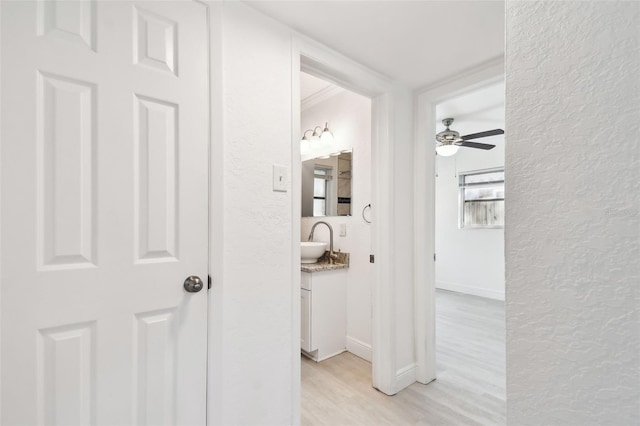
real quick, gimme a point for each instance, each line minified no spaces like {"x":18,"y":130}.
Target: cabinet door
{"x":305,"y":323}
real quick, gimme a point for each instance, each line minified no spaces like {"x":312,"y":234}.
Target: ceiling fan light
{"x":447,"y":150}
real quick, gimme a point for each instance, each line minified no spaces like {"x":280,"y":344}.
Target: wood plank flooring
{"x":469,"y":390}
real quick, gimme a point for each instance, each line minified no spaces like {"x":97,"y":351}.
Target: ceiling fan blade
{"x":476,"y":145}
{"x":483,"y":134}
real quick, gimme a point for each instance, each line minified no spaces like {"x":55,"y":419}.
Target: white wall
{"x":468,"y":260}
{"x":251,"y":362}
{"x":573,"y":216}
{"x":349,"y":117}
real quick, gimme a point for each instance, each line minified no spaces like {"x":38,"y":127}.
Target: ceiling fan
{"x":449,"y":141}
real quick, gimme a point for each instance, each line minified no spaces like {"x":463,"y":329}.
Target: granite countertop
{"x":342,"y":262}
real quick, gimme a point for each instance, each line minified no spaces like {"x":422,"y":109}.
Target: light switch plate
{"x":343,"y":229}
{"x":280,"y":178}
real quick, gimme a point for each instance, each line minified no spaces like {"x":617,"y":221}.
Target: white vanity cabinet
{"x":323,"y":302}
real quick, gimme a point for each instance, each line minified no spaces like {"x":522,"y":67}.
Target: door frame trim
{"x":425,"y":101}
{"x":315,"y":58}
{"x":215,"y":356}
{"x":1,"y":283}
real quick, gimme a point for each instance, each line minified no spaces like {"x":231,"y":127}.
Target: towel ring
{"x":363,"y":210}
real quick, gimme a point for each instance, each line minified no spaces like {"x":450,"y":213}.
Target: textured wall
{"x":252,"y":371}
{"x":573,"y":215}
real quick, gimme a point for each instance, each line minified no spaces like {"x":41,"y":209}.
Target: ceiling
{"x":415,"y":42}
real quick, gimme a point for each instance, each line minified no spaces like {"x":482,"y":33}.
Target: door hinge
{"x":434,"y":257}
{"x":208,"y":282}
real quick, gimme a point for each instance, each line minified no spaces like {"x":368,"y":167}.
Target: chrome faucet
{"x":332,"y":256}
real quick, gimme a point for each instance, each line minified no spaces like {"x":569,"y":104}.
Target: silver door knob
{"x":193,"y":284}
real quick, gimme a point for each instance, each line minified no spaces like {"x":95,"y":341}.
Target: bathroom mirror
{"x":326,"y":186}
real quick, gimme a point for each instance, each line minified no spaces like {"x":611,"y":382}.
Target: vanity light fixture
{"x":313,"y":138}
{"x":324,"y":135}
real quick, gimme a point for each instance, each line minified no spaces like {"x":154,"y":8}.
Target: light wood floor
{"x":470,"y":385}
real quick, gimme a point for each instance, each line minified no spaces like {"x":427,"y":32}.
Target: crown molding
{"x":488,"y":65}
{"x":320,"y":96}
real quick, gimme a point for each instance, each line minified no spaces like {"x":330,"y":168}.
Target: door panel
{"x":65,"y":120}
{"x":66,"y":374}
{"x":155,"y":361}
{"x":104,"y":200}
{"x":156,"y":191}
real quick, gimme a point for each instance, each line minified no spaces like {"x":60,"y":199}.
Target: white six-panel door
{"x":104,"y":171}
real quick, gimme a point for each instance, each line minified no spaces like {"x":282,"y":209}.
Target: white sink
{"x":311,"y":251}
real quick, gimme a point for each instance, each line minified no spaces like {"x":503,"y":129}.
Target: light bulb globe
{"x":327,"y":137}
{"x":305,"y":146}
{"x":447,"y":150}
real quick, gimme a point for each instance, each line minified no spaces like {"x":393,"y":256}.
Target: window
{"x":482,"y":199}
{"x":322,"y":178}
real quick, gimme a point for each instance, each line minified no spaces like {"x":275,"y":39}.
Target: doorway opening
{"x":327,"y":65}
{"x":336,"y":337}
{"x":469,"y":246}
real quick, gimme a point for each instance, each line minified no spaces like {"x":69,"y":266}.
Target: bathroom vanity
{"x":323,"y":301}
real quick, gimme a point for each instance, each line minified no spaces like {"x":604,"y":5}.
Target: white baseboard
{"x":466,"y":289}
{"x":406,"y":376}
{"x":359,"y":348}
{"x":317,"y":359}
{"x":314,"y":355}
{"x":307,"y":354}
